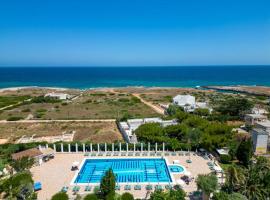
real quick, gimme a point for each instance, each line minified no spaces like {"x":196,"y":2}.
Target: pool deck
{"x":57,"y":173}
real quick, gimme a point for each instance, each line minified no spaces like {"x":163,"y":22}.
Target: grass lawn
{"x":11,"y":100}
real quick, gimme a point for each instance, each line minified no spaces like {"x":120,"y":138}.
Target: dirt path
{"x":64,"y":120}
{"x":156,"y":108}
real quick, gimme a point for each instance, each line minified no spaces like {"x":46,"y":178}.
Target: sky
{"x":134,"y":32}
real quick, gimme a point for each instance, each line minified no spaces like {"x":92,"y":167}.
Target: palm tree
{"x":234,"y":179}
{"x":208,"y":184}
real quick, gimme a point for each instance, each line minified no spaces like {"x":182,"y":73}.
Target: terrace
{"x":57,"y":173}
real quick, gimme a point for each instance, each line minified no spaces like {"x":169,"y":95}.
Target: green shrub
{"x":60,"y":196}
{"x":14,"y":118}
{"x":64,"y":104}
{"x":90,"y":197}
{"x":225,"y":159}
{"x":127,"y":196}
{"x":26,"y":110}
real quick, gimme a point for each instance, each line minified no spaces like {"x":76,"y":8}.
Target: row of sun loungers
{"x":88,"y":188}
{"x":136,"y":154}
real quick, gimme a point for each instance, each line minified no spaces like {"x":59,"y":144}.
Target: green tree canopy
{"x":90,"y":197}
{"x":107,"y":184}
{"x":127,"y":196}
{"x":207,"y":183}
{"x":60,"y":196}
{"x":244,"y":152}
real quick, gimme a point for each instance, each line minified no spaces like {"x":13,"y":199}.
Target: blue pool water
{"x":125,"y":170}
{"x":176,"y":168}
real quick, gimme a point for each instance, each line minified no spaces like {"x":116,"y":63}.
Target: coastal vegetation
{"x":12,"y":100}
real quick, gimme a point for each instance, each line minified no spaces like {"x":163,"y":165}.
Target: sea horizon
{"x":90,"y":77}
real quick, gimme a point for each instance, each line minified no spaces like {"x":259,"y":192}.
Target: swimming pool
{"x":126,"y":170}
{"x":176,"y":168}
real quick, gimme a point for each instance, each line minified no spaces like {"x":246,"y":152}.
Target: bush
{"x":60,"y":196}
{"x":127,"y":196}
{"x":14,"y":118}
{"x":26,"y":110}
{"x":90,"y":197}
{"x":225,"y":159}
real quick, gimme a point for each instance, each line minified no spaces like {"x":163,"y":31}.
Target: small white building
{"x":260,"y":111}
{"x":265,"y":125}
{"x":251,"y":119}
{"x":60,"y":96}
{"x":185,"y":101}
{"x":127,"y":128}
{"x":260,"y":141}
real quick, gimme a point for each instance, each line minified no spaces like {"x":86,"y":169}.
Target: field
{"x":85,"y":131}
{"x":88,"y":105}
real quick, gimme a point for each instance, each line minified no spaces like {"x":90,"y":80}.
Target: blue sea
{"x":96,"y":77}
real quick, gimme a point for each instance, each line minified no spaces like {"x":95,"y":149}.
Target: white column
{"x":134,"y":147}
{"x":156,"y":147}
{"x":47,"y":146}
{"x":141,"y":147}
{"x":62,"y":147}
{"x":54,"y":147}
{"x":163,"y":147}
{"x":69,"y":148}
{"x":120,"y":147}
{"x":112,"y":147}
{"x":148,"y":146}
{"x":127,"y":146}
{"x":98,"y":147}
{"x":83,"y":147}
{"x":105,"y":147}
{"x":91,"y":147}
{"x":76,"y":147}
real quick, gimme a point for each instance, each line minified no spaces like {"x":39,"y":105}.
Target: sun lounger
{"x":100,"y":154}
{"x":76,"y":189}
{"x":37,"y":186}
{"x":137,"y":187}
{"x":137,"y":154}
{"x":145,"y":154}
{"x":130,"y":154}
{"x":64,"y":189}
{"x":188,"y":161}
{"x":123,"y":154}
{"x":167,"y":154}
{"x":86,"y":154}
{"x":173,"y":154}
{"x":158,"y":187}
{"x":93,"y":154}
{"x":158,"y":153}
{"x":116,"y":154}
{"x":87,"y":188}
{"x":152,"y":154}
{"x":108,"y":154}
{"x":117,"y":187}
{"x":127,"y":187}
{"x":149,"y":187}
{"x":168,"y":187}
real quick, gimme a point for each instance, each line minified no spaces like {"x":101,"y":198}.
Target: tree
{"x":22,"y":164}
{"x":207,"y":183}
{"x":107,"y":185}
{"x":234,"y":179}
{"x":201,"y":111}
{"x":90,"y":197}
{"x":127,"y":196}
{"x":174,"y":194}
{"x":244,"y":152}
{"x":60,"y":196}
{"x":18,"y":185}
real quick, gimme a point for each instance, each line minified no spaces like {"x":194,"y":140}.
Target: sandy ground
{"x":57,"y":173}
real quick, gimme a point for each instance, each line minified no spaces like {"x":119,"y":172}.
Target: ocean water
{"x":95,"y":77}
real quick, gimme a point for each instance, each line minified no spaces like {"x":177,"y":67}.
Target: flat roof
{"x":265,"y":123}
{"x":256,"y":116}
